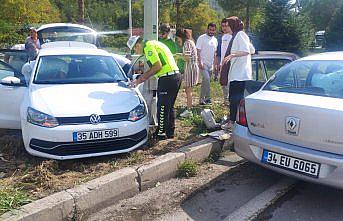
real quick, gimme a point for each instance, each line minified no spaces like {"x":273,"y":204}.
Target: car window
{"x":76,"y":69}
{"x":258,"y":73}
{"x":14,"y":58}
{"x":5,"y":71}
{"x":323,"y":78}
{"x":272,"y":65}
{"x":263,"y":69}
{"x":66,"y":34}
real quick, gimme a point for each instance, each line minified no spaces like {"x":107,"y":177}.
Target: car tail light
{"x":242,"y":117}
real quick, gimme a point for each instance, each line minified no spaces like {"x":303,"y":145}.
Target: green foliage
{"x":320,"y":12}
{"x":334,"y":39}
{"x":114,"y":43}
{"x":16,"y":15}
{"x":187,"y":168}
{"x":28,"y":12}
{"x":197,"y":19}
{"x":283,"y":29}
{"x":12,"y":198}
{"x":247,"y":10}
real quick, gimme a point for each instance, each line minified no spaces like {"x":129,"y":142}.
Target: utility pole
{"x":177,"y":3}
{"x":151,"y":33}
{"x":81,"y":4}
{"x":130,"y":18}
{"x":150,"y":19}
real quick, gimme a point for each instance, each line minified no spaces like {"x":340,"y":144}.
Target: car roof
{"x":52,"y":25}
{"x":327,"y":56}
{"x":72,"y":51}
{"x":275,"y":55}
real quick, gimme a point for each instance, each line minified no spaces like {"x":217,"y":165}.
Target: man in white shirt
{"x":206,"y":47}
{"x":224,"y":45}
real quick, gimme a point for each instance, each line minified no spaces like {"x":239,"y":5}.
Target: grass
{"x":195,"y":122}
{"x":187,"y":168}
{"x":11,"y":198}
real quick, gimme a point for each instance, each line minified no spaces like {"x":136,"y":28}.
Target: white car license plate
{"x":95,"y":135}
{"x":291,"y":163}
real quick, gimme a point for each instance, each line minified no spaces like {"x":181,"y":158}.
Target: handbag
{"x":224,"y":72}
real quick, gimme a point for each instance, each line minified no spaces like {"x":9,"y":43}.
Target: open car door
{"x":262,"y":70}
{"x":147,"y":89}
{"x":12,"y":87}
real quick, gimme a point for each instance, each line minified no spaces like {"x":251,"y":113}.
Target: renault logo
{"x":94,"y":119}
{"x":292,"y":125}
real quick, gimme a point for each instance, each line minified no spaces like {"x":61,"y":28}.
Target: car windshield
{"x":322,"y":78}
{"x":66,"y":34}
{"x":77,"y":69}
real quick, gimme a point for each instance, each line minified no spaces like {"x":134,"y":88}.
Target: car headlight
{"x":38,"y":118}
{"x":137,"y":113}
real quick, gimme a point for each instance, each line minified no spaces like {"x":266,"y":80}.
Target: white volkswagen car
{"x":294,"y":124}
{"x":75,"y":103}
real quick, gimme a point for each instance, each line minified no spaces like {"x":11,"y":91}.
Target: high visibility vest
{"x":155,"y":51}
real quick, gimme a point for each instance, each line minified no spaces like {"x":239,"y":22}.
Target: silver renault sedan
{"x":294,"y":123}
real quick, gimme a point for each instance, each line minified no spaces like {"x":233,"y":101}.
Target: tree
{"x":320,"y":12}
{"x":334,"y":40}
{"x":284,"y":29}
{"x":251,"y":7}
{"x":198,"y":20}
{"x":16,"y":15}
{"x":24,"y":12}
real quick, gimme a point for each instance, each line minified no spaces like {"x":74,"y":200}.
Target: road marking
{"x":259,"y":203}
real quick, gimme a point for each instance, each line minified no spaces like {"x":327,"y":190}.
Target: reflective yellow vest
{"x":155,"y":51}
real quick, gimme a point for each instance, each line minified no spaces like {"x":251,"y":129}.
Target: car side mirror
{"x":12,"y":81}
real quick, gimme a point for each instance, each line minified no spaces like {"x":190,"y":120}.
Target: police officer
{"x":163,"y":66}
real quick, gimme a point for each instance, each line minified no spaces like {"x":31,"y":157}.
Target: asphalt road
{"x":307,"y":201}
{"x":236,"y":192}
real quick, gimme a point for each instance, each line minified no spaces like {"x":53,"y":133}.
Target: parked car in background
{"x":293,"y":124}
{"x":76,"y":103}
{"x":264,"y":65}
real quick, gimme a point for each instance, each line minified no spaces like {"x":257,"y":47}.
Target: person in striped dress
{"x":191,"y":72}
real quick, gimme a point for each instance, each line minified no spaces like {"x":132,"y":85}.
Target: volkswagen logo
{"x":95,"y":119}
{"x":292,"y":125}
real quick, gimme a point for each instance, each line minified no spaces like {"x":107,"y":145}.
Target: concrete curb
{"x":201,"y":150}
{"x":103,"y":191}
{"x":59,"y":206}
{"x":108,"y":189}
{"x":160,"y":169}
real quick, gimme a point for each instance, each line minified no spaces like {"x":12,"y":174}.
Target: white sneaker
{"x":186,"y":113}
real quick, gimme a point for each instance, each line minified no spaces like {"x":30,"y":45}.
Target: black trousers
{"x":236,"y":94}
{"x":167,"y":90}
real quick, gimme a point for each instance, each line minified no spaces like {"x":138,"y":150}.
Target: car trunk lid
{"x":313,"y":122}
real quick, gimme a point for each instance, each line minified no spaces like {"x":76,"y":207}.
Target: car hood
{"x":70,"y":100}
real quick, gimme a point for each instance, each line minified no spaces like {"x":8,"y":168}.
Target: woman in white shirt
{"x":240,"y":69}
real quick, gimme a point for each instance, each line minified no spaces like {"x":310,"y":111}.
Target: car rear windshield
{"x":66,"y":34}
{"x":77,"y":69}
{"x":322,"y":78}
